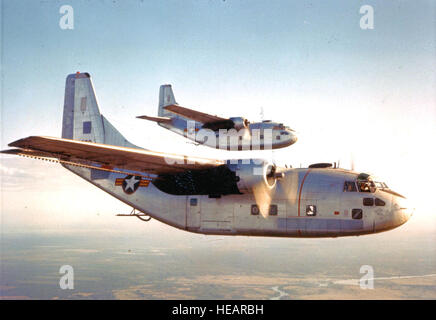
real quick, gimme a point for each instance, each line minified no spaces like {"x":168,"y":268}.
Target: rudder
{"x":82,"y":119}
{"x":166,"y":98}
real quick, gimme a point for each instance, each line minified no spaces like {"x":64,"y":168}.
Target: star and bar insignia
{"x":131,"y":183}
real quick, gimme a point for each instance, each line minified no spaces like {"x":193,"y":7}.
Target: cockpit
{"x":364,"y":183}
{"x":282,"y":134}
{"x":284,"y":130}
{"x":280,"y":126}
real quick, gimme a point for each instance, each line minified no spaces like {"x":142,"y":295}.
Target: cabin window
{"x":278,"y":137}
{"x":379,"y":202}
{"x":356,"y":213}
{"x":311,"y":210}
{"x":254,"y":210}
{"x":193,"y":201}
{"x":87,"y":127}
{"x":273,"y":210}
{"x":368,"y":201}
{"x":350,"y":186}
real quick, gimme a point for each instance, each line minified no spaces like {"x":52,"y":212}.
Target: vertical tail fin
{"x":166,"y":98}
{"x":82,"y":119}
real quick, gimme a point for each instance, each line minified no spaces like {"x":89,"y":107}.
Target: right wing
{"x":192,"y":114}
{"x":80,"y":152}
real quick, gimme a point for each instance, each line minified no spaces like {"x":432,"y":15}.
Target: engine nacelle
{"x":257,"y":173}
{"x":240,"y":123}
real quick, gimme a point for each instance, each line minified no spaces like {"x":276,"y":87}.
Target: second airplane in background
{"x":221,"y":133}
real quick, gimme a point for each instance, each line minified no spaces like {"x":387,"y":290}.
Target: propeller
{"x":264,"y":192}
{"x":263,"y":197}
{"x":290,"y":186}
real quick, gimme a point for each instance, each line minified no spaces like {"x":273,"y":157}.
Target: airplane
{"x":250,"y":197}
{"x":233,"y":134}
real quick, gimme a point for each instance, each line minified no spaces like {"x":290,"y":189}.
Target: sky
{"x":367,"y":95}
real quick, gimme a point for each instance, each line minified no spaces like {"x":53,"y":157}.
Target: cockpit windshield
{"x":365,"y":183}
{"x":381,"y":185}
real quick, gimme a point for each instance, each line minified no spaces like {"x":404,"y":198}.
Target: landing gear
{"x":136,"y":213}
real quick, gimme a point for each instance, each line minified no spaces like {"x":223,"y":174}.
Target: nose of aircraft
{"x":293,"y":135}
{"x":402,"y":210}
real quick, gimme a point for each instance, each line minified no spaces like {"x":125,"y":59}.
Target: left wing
{"x":80,"y":152}
{"x":192,"y":114}
{"x":165,"y":120}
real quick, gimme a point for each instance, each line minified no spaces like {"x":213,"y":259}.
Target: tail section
{"x":82,"y":119}
{"x":166,"y":98}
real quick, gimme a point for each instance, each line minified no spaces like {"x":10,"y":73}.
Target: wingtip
{"x":10,"y":151}
{"x":17,"y":143}
{"x":155,"y":119}
{"x":21,"y":143}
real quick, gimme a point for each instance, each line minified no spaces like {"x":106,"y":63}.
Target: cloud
{"x":18,"y":174}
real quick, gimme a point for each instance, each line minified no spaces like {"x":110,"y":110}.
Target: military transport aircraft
{"x":209,"y":196}
{"x":228,"y":134}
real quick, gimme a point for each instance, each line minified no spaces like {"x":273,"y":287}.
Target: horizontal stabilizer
{"x":156,"y":119}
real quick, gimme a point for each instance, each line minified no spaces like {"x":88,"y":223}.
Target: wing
{"x":74,"y":151}
{"x":156,"y":119}
{"x":192,"y":114}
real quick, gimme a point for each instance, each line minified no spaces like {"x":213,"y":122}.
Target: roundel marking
{"x":131,"y":184}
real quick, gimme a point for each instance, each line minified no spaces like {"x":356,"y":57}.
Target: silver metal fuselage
{"x":293,"y":194}
{"x":209,"y":196}
{"x":257,"y":136}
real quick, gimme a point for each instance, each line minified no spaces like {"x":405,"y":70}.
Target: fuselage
{"x":210,"y":196}
{"x":256,"y":136}
{"x":306,"y":202}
